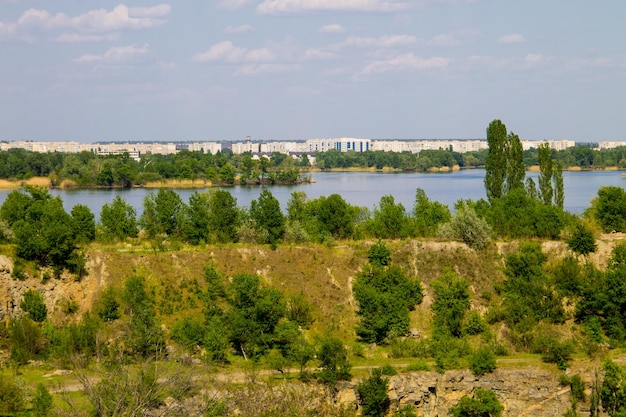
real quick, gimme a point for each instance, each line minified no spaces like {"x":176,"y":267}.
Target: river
{"x":366,"y":189}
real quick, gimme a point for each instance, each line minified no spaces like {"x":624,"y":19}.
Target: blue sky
{"x":299,"y":69}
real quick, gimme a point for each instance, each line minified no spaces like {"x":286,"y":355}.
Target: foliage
{"x":609,"y":209}
{"x":385,"y":296}
{"x":528,"y":295}
{"x":483,"y":403}
{"x":465,"y":226}
{"x":496,"y":161}
{"x":379,"y":254}
{"x":189,"y":332}
{"x":27,"y":340}
{"x":84,"y":223}
{"x":163,"y":214}
{"x":582,"y":240}
{"x":602,"y":296}
{"x":33,"y":304}
{"x":118,"y":219}
{"x":373,"y":396}
{"x":483,"y":361}
{"x":428,"y":215}
{"x":42,"y":401}
{"x":144,"y":336}
{"x":266,"y":213}
{"x":333,"y":357}
{"x":451,"y":301}
{"x":390,"y":220}
{"x":12,"y":397}
{"x":613,"y":390}
{"x":43,"y":231}
{"x":546,"y":191}
{"x":108,"y":306}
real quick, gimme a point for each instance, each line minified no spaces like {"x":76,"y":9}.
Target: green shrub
{"x":34,"y":305}
{"x":42,"y":401}
{"x":482,"y":403}
{"x":409,"y":348}
{"x":388,"y":370}
{"x":12,"y":397}
{"x":483,"y":361}
{"x":373,"y":395}
{"x":475,"y":324}
{"x":577,"y":386}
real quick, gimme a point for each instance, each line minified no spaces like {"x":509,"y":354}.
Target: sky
{"x":298,"y":69}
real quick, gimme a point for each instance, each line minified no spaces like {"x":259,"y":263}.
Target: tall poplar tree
{"x":516,"y":172}
{"x":546,"y":191}
{"x":496,"y":161}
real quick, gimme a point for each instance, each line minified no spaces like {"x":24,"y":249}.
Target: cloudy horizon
{"x":299,"y":69}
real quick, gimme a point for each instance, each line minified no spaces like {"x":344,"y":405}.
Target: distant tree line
{"x":86,"y":169}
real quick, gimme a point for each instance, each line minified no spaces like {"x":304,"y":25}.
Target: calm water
{"x":366,"y":189}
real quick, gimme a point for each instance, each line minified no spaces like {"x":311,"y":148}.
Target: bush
{"x":409,"y":348}
{"x":483,"y":403}
{"x":418,"y":366}
{"x":373,"y":395}
{"x":12,"y":398}
{"x":483,"y":361}
{"x":42,"y":401}
{"x":334,"y":360}
{"x":475,"y":324}
{"x":34,"y":305}
{"x":465,"y":226}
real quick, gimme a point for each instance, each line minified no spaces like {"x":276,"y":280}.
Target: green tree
{"x":85,"y":223}
{"x":390,"y":220}
{"x":613,"y":390}
{"x":373,"y":396}
{"x":224,"y":216}
{"x":546,"y":167}
{"x":144,"y":337}
{"x":496,"y":161}
{"x":42,"y":401}
{"x":609,"y":209}
{"x":33,"y":304}
{"x":483,"y":361}
{"x":385,"y":296}
{"x":428,"y":215}
{"x":582,"y":240}
{"x":333,"y":357}
{"x":559,"y":188}
{"x":483,"y":403}
{"x":516,"y":171}
{"x":119,"y":219}
{"x":163,"y":213}
{"x":266,"y":213}
{"x":451,"y":302}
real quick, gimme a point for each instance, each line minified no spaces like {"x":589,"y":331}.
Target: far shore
{"x":44,"y":182}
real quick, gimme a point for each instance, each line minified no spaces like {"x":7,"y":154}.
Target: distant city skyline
{"x":299,"y":69}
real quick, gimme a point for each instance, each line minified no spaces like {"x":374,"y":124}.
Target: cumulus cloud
{"x":405,"y":62}
{"x":385,"y":41}
{"x":275,"y":7}
{"x":34,"y":22}
{"x":316,"y":53}
{"x":227,"y":52}
{"x":232,"y":4}
{"x":117,"y":54}
{"x":334,"y":28}
{"x":261,"y":69}
{"x":514,"y":63}
{"x":238,"y":29}
{"x":512,"y":38}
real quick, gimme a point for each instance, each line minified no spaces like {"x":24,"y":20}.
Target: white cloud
{"x":227,"y":52}
{"x":117,"y":54}
{"x":443,"y":40}
{"x":405,"y":62}
{"x":261,"y":69}
{"x":515,"y":63}
{"x":275,"y":7}
{"x":99,"y":21}
{"x":316,"y":53}
{"x":238,"y":29}
{"x":386,"y":41}
{"x":334,"y":28}
{"x":232,"y":4}
{"x":512,"y":38}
